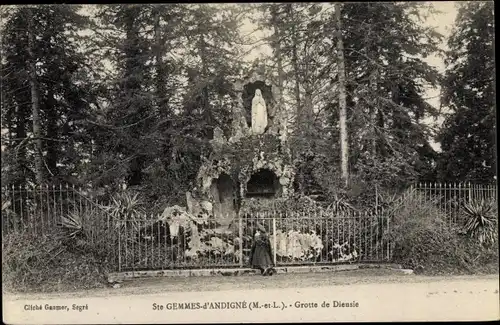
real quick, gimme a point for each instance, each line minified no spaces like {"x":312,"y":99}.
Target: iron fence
{"x":450,"y":198}
{"x":296,"y":239}
{"x":41,"y":210}
{"x":138,"y":242}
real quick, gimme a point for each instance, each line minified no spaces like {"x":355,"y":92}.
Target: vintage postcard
{"x":248,"y":162}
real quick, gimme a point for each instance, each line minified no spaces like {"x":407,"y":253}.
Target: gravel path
{"x":281,"y":281}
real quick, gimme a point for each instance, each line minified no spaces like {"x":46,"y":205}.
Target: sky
{"x":443,"y":22}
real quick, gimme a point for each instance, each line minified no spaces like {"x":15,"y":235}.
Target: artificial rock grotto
{"x":249,"y":169}
{"x":250,"y":165}
{"x":253,"y":164}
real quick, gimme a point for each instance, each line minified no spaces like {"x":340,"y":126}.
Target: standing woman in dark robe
{"x":260,"y":255}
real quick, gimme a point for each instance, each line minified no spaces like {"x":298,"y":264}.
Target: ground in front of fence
{"x":295,"y":280}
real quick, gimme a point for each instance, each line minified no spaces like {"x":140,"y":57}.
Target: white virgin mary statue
{"x":259,"y":113}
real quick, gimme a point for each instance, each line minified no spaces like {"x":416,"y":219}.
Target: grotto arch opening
{"x":224,"y":193}
{"x":263,"y":184}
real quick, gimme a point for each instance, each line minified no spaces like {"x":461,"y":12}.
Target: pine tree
{"x":468,"y":134}
{"x":173,"y":84}
{"x":385,"y":45}
{"x":128,"y":118}
{"x":44,"y":92}
{"x":304,"y":60}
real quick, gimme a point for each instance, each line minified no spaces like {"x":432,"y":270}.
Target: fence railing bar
{"x":274,"y":241}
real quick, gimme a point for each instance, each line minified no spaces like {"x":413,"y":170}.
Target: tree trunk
{"x":51,"y":134}
{"x":344,"y":146}
{"x":35,"y":104}
{"x":373,"y":113}
{"x":381,"y":124}
{"x":308,"y":109}
{"x":132,"y":85}
{"x":162,"y":93}
{"x":160,"y":70}
{"x":281,"y":78}
{"x":135,"y":176}
{"x":205,"y":99}
{"x":20,"y":135}
{"x":295,"y":65}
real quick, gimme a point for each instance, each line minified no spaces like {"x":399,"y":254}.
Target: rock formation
{"x":254,"y":163}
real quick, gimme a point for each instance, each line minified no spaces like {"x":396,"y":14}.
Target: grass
{"x":44,"y":264}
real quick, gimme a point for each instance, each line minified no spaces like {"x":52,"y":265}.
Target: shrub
{"x":475,"y":257}
{"x":89,"y":231}
{"x":43,"y":263}
{"x":425,"y":243}
{"x":423,"y":239}
{"x":420,"y":234}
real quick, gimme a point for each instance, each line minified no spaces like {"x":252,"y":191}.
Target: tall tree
{"x":128,"y":117}
{"x":44,"y":82}
{"x":468,"y":134}
{"x":385,"y":47}
{"x":174,"y":66}
{"x":35,"y":99}
{"x":344,"y":146}
{"x":304,"y":57}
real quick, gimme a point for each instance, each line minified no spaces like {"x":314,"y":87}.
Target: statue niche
{"x":258,"y":104}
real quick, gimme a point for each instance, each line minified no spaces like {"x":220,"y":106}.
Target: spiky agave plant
{"x":72,"y":223}
{"x":73,"y":232}
{"x":481,"y":221}
{"x":126,"y":207}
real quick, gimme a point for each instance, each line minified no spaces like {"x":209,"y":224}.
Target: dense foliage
{"x":130,"y":94}
{"x":63,"y":75}
{"x":468,"y":134}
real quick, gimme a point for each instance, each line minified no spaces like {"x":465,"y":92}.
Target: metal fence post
{"x":274,"y":240}
{"x":389,"y":241}
{"x":240,"y":234}
{"x":119,"y":249}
